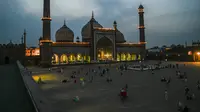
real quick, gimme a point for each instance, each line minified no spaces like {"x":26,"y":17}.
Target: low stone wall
{"x":38,"y":99}
{"x":22,"y":69}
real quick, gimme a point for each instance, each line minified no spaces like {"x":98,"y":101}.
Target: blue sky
{"x":167,"y":21}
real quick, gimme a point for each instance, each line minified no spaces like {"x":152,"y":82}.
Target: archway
{"x":133,"y":57}
{"x":128,"y":57}
{"x":55,"y":59}
{"x":118,"y":57}
{"x":123,"y":57}
{"x":79,"y":58}
{"x":104,"y":49}
{"x":63,"y":59}
{"x":139,"y":57}
{"x":196,"y":56}
{"x":7,"y":60}
{"x":72,"y":58}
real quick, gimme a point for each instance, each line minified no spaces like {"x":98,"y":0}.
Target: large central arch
{"x":104,"y":49}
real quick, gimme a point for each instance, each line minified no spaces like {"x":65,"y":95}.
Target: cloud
{"x":72,"y":9}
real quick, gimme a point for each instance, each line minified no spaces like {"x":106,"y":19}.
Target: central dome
{"x":64,"y":34}
{"x":86,"y":30}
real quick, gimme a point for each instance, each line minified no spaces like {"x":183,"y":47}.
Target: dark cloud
{"x":176,"y":26}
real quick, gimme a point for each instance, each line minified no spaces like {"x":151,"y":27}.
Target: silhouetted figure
{"x":180,"y":106}
{"x":186,"y":90}
{"x":126,"y":86}
{"x":186,"y":109}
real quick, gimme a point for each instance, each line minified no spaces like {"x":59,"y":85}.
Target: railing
{"x":21,"y":68}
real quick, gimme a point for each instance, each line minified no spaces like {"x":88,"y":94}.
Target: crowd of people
{"x":104,"y":72}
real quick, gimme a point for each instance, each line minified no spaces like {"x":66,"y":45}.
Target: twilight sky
{"x":167,"y":21}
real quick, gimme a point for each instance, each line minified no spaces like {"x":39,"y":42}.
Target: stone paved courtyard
{"x":145,"y":90}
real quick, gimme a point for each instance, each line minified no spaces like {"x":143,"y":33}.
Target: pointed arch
{"x":128,"y":57}
{"x":118,"y":57}
{"x":123,"y":57}
{"x":55,"y":59}
{"x":79,"y":57}
{"x":133,"y":57}
{"x":63,"y":59}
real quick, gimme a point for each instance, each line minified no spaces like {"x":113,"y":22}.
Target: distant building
{"x":11,"y":52}
{"x":176,"y":53}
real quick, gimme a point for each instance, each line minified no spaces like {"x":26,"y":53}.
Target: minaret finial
{"x":64,"y":22}
{"x":92,"y":14}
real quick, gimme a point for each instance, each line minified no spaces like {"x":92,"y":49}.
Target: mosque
{"x":98,"y":43}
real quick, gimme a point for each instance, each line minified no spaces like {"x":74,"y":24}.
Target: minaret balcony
{"x":46,"y":18}
{"x":141,"y":27}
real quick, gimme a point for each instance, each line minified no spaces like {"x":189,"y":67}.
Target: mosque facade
{"x":98,"y":43}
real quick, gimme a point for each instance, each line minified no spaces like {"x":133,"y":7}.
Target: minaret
{"x":25,"y":38}
{"x":92,"y":50}
{"x":46,"y":19}
{"x":22,"y":39}
{"x":141,"y":24}
{"x":115,"y":50}
{"x":46,"y":43}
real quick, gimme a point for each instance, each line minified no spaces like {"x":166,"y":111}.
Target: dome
{"x":141,"y":6}
{"x":120,"y":37}
{"x":86,"y":30}
{"x":64,"y":34}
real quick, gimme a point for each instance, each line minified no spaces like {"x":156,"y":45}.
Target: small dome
{"x":86,"y":30}
{"x":141,"y":6}
{"x":114,"y":22}
{"x":64,"y":34}
{"x":120,"y":37}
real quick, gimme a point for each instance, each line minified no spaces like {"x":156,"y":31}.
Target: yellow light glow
{"x":141,"y":27}
{"x":198,"y":53}
{"x":104,"y":29}
{"x":46,"y":41}
{"x":44,"y":77}
{"x":45,"y":18}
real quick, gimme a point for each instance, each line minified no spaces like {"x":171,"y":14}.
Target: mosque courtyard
{"x":145,"y":90}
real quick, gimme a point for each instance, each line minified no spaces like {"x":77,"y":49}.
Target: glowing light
{"x":198,"y":53}
{"x":45,"y":18}
{"x":189,"y":52}
{"x":71,"y":43}
{"x":46,"y":41}
{"x":32,"y":51}
{"x":140,"y":10}
{"x":104,"y":29}
{"x":141,"y":27}
{"x":44,"y":77}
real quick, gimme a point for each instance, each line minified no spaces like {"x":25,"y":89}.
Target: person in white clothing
{"x":166,"y":95}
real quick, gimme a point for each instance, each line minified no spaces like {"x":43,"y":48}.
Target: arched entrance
{"x":7,"y":60}
{"x":55,"y":59}
{"x":104,"y":49}
{"x":63,"y":59}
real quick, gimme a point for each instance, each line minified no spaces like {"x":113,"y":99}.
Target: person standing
{"x":166,"y":95}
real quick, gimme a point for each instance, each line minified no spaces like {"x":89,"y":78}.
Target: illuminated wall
{"x":32,"y":52}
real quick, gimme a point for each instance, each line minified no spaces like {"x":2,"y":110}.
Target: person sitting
{"x":186,"y":90}
{"x":76,"y":99}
